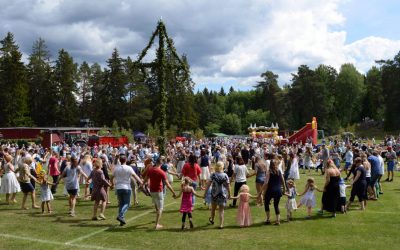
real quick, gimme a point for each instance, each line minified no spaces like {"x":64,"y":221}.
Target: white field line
{"x":49,"y":242}
{"x":106,"y":228}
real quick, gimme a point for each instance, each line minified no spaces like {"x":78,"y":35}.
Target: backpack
{"x":218,"y":190}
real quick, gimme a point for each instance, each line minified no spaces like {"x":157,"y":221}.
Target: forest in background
{"x":49,"y":91}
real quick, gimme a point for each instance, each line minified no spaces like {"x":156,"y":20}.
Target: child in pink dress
{"x":187,"y":193}
{"x":244,"y":214}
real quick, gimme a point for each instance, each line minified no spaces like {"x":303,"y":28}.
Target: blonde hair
{"x":219,"y":167}
{"x":244,"y":188}
{"x":28,"y":160}
{"x":330,"y":164}
{"x":98,"y":163}
{"x":86,"y":158}
{"x":291,"y":182}
{"x":186,"y":181}
{"x":310,"y":182}
{"x":8,"y":158}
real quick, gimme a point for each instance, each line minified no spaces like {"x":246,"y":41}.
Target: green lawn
{"x":377,"y":227}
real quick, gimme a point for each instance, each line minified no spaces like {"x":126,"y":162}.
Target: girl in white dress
{"x":87,"y":168}
{"x":294,"y":169}
{"x":45,"y":193}
{"x":291,"y":202}
{"x":309,"y":199}
{"x":9,"y":182}
{"x":308,"y":155}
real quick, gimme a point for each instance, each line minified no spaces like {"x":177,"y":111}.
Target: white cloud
{"x":301,"y":32}
{"x":225,"y":41}
{"x":364,"y":52}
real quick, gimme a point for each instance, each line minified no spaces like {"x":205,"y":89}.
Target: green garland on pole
{"x":160,"y":66}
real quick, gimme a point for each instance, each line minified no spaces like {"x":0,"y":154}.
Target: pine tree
{"x":65,"y":80}
{"x":14,"y":110}
{"x":85,"y":87}
{"x":269,"y":90}
{"x":113,"y":96}
{"x":42,"y":95}
{"x":374,"y":103}
{"x":222,"y":92}
{"x":391,"y":91}
{"x":97,"y":84}
{"x":139,"y":110}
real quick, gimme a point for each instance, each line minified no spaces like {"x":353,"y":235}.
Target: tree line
{"x":44,"y":92}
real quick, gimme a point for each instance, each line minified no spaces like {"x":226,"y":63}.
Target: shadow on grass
{"x":46,"y":215}
{"x":60,"y":219}
{"x":11,"y":209}
{"x":136,"y":227}
{"x":94,"y":225}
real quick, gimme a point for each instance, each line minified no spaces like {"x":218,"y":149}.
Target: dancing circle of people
{"x":209,"y":166}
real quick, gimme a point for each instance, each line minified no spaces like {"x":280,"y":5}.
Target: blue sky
{"x":371,"y":18}
{"x":227,"y":42}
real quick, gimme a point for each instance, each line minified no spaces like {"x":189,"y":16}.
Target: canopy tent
{"x":219,"y":135}
{"x":138,"y":134}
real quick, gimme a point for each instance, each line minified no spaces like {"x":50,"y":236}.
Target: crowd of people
{"x":216,"y":170}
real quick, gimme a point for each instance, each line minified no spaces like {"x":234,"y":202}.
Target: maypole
{"x":160,"y":65}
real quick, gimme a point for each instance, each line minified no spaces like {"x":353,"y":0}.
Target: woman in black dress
{"x":359,"y":188}
{"x":331,"y":194}
{"x":272,"y":189}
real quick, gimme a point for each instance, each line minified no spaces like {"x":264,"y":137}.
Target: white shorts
{"x":179,"y":166}
{"x":205,"y":173}
{"x":158,"y":199}
{"x":170,"y":178}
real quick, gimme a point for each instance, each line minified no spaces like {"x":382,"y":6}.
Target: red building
{"x":47,"y":135}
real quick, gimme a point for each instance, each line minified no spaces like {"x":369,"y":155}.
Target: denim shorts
{"x":390,"y":166}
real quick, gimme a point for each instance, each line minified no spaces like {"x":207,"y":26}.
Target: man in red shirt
{"x":157,"y":176}
{"x":54,"y":171}
{"x":192,"y":170}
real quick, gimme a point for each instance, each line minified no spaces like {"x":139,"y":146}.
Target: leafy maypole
{"x":160,"y":65}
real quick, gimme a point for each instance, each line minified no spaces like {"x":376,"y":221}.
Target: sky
{"x":228,"y":43}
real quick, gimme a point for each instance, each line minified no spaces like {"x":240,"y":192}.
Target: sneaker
{"x":72,"y":214}
{"x":387,"y":179}
{"x":94,"y":218}
{"x":267,"y":222}
{"x":391,"y":180}
{"x":191,"y":224}
{"x":211,"y":222}
{"x":101,"y":216}
{"x":121,"y":221}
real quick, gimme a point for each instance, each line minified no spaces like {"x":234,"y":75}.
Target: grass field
{"x":375,"y":228}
